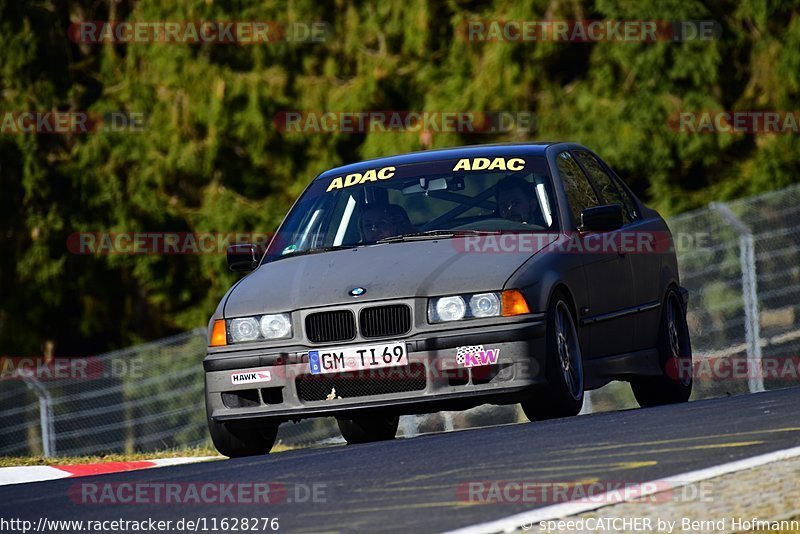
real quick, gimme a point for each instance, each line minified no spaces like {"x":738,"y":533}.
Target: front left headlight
{"x":477,"y":306}
{"x":485,"y":305}
{"x":260,"y":327}
{"x":458,"y":307}
{"x":449,"y":309}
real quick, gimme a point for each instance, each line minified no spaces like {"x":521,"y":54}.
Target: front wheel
{"x":563,"y":395}
{"x":368,"y":429}
{"x":234,"y":439}
{"x":675,"y":352}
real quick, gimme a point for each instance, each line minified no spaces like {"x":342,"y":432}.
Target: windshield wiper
{"x":433,"y":234}
{"x":313,"y":251}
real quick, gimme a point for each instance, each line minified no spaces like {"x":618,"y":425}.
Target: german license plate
{"x":342,"y":359}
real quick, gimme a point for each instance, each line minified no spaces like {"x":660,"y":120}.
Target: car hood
{"x":386,"y":271}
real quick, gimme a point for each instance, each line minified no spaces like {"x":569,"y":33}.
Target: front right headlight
{"x":260,"y":327}
{"x":244,"y":329}
{"x":276,"y":326}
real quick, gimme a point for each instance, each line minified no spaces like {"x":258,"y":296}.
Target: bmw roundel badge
{"x":357,"y":291}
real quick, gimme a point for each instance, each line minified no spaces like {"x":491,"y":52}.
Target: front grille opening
{"x":324,"y":327}
{"x":272,"y":395}
{"x":361,"y":383}
{"x":484,"y":374}
{"x":456,"y":377}
{"x":244,"y":398}
{"x":385,"y":321}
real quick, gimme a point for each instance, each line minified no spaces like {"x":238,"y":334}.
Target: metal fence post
{"x":45,"y":414}
{"x":752,"y":328}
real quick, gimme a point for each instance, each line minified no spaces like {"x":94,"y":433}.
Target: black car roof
{"x":498,"y":149}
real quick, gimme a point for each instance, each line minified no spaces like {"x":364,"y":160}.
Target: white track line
{"x":557,"y":511}
{"x":164,"y":462}
{"x":30,"y":473}
{"x":39,"y":473}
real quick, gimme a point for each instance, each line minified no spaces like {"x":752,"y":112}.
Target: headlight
{"x":450,"y":309}
{"x":477,"y":306}
{"x":276,"y":326}
{"x":268,"y":327}
{"x":485,"y":305}
{"x":244,"y":329}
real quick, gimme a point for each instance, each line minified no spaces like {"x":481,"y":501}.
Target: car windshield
{"x":418,"y":201}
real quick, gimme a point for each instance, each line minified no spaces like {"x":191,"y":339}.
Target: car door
{"x":608,"y":274}
{"x":643,"y":234}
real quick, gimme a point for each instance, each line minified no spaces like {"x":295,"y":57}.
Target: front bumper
{"x":433,"y":380}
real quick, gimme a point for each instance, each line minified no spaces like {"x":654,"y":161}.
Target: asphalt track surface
{"x":411,"y":484}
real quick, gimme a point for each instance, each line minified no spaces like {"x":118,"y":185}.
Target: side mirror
{"x":242,"y":257}
{"x":602,"y":218}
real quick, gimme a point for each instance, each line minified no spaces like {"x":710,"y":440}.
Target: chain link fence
{"x":740,"y":262}
{"x":144,"y":398}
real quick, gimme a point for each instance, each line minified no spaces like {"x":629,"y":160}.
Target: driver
{"x":379,"y":221}
{"x":516,"y":201}
{"x":400,"y":219}
{"x":376,"y":223}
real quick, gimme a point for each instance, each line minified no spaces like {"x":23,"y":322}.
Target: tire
{"x":235,"y":440}
{"x":675,"y":356}
{"x":368,"y":429}
{"x":563,"y":395}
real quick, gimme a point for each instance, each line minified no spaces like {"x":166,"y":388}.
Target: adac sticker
{"x":476,"y":356}
{"x":250,"y":377}
{"x":356,"y":178}
{"x":489,"y":164}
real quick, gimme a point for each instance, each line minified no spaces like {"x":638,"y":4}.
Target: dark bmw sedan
{"x":446,"y":279}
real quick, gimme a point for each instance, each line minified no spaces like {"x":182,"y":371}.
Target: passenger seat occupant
{"x":516,"y":201}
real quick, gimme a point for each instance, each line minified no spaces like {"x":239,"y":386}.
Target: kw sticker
{"x":356,"y":178}
{"x":476,"y":356}
{"x":250,"y":377}
{"x":486,"y":164}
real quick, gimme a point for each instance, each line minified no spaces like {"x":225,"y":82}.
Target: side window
{"x":630,"y":204}
{"x":580,"y":194}
{"x":611,"y":191}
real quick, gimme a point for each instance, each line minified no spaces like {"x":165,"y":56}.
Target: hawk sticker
{"x":476,"y":356}
{"x":251,"y":377}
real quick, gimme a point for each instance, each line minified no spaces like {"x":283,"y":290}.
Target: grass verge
{"x":14,"y":461}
